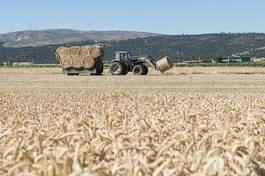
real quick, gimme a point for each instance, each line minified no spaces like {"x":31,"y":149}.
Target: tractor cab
{"x":123,"y":56}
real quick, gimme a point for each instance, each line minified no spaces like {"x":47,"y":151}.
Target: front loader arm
{"x":148,"y":61}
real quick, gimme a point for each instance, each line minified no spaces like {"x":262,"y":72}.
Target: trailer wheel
{"x":117,"y":68}
{"x":139,"y":70}
{"x":72,"y":74}
{"x":99,"y":68}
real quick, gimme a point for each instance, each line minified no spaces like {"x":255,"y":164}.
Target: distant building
{"x":237,"y":59}
{"x":257,"y":59}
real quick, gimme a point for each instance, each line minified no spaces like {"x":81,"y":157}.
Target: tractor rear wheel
{"x":140,"y":69}
{"x":117,"y":68}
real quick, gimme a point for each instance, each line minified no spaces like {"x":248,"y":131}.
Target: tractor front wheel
{"x":140,"y":69}
{"x":145,"y":70}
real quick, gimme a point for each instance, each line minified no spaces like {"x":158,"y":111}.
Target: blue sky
{"x":160,"y":16}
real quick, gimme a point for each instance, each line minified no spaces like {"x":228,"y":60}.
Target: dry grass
{"x":215,"y":70}
{"x":173,"y":71}
{"x":131,"y":134}
{"x":180,"y":83}
{"x":56,"y":125}
{"x":14,"y":70}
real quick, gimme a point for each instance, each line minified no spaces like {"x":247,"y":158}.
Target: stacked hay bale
{"x":96,"y":51}
{"x":62,"y":54}
{"x":79,"y":57}
{"x":164,"y":64}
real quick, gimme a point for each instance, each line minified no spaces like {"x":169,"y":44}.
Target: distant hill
{"x":186,"y":47}
{"x":59,"y":36}
{"x":178,"y":47}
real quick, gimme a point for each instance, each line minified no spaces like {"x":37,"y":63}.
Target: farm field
{"x":190,"y":121}
{"x":178,"y":80}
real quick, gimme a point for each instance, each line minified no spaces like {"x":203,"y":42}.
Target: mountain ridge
{"x":44,"y":37}
{"x":177,"y":47}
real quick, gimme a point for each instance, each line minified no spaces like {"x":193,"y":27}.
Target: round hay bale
{"x":77,"y":61}
{"x":84,"y":51}
{"x":62,"y":51}
{"x":73,"y":51}
{"x":164,"y":64}
{"x":96,"y":52}
{"x":67,"y":62}
{"x":62,"y":54}
{"x":58,"y":56}
{"x":88,"y":62}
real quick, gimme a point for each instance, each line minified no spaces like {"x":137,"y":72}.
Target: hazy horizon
{"x":129,"y":31}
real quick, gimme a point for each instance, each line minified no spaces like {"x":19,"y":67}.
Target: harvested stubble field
{"x":182,"y":124}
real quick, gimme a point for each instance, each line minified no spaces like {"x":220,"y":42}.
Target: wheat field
{"x":159,"y":125}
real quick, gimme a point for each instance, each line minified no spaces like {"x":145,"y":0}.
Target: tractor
{"x":124,"y":62}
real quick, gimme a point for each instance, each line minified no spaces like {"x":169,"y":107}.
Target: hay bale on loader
{"x":164,"y":64}
{"x":81,"y":58}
